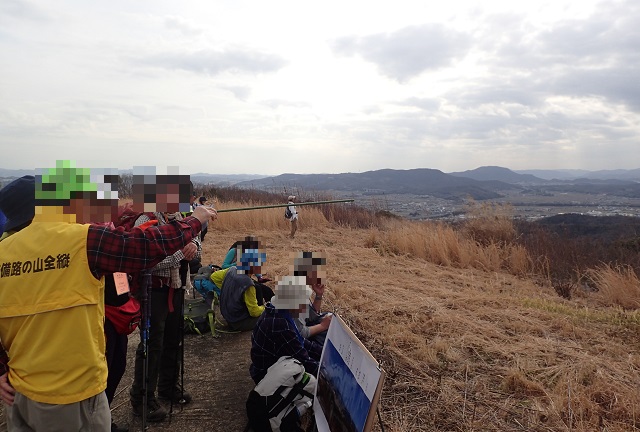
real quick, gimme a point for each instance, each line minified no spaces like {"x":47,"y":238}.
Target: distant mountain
{"x":488,"y":173}
{"x":224,"y":179}
{"x":11,"y":173}
{"x":566,"y":174}
{"x":387,"y":181}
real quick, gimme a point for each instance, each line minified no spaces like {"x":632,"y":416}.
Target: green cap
{"x":62,"y":183}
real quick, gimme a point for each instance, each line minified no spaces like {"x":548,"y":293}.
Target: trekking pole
{"x":283,"y":205}
{"x":179,"y":356}
{"x":185,"y":271}
{"x":146,"y":324}
{"x":182,"y":400}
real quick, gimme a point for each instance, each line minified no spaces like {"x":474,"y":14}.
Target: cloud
{"x":21,"y":9}
{"x":276,"y":103}
{"x":211,"y":62}
{"x":240,"y":92}
{"x":408,"y":52}
{"x":182,"y":25}
{"x":427,"y":104}
{"x":580,"y":58}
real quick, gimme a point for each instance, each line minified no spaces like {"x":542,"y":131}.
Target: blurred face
{"x":302,"y":308}
{"x":168,"y":198}
{"x":92,"y":210}
{"x":250,"y":260}
{"x":315,"y":275}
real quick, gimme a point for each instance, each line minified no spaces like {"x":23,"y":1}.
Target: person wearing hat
{"x":294,"y":215}
{"x":16,"y":206}
{"x":276,"y":333}
{"x":241,"y":298}
{"x":52,"y":293}
{"x":20,"y":207}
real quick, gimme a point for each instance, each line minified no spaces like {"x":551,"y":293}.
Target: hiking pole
{"x":185,"y":275}
{"x":146,"y":324}
{"x":283,"y":205}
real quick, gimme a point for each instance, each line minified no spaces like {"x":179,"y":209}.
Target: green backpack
{"x":199,"y":318}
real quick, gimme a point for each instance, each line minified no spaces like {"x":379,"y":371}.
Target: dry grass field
{"x":469,"y":337}
{"x":471,"y":333}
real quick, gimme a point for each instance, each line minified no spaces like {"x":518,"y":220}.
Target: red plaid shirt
{"x":116,"y":250}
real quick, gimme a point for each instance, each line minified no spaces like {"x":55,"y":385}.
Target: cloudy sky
{"x":292,"y":86}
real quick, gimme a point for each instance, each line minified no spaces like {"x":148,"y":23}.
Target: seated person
{"x":311,"y":265}
{"x":230,"y":258}
{"x":276,"y":335}
{"x":241,"y":302}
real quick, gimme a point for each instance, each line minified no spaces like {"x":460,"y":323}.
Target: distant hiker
{"x":312,"y":266}
{"x":292,"y":215}
{"x":60,"y":373}
{"x":276,"y":334}
{"x":241,"y":302}
{"x":167,"y":299}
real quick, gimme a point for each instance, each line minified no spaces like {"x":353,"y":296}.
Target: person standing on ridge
{"x":293,"y":215}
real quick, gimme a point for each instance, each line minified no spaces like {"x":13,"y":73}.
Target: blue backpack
{"x":202,"y":281}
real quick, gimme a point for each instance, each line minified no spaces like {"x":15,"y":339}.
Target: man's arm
{"x":6,"y":390}
{"x":116,"y":250}
{"x":4,"y":360}
{"x":318,"y":290}
{"x":189,"y":252}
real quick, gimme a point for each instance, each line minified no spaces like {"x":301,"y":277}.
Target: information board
{"x":349,"y":383}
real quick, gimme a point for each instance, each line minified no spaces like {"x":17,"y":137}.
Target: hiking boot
{"x":177,"y":396}
{"x":155,"y":411}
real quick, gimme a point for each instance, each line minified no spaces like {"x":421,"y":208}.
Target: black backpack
{"x":287,"y":213}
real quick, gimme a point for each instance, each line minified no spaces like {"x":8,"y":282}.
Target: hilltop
{"x":470,"y":336}
{"x":465,"y":346}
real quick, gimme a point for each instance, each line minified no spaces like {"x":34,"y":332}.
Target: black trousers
{"x":163,"y":345}
{"x":116,"y":354}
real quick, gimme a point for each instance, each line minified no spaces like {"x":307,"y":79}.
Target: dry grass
{"x":442,"y":244}
{"x":467,"y":342}
{"x":617,"y":286}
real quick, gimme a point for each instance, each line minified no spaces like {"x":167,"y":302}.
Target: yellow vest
{"x":52,"y":313}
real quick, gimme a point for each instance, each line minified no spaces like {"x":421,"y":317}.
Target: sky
{"x":283,"y":86}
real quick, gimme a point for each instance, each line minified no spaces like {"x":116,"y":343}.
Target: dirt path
{"x":216,"y":375}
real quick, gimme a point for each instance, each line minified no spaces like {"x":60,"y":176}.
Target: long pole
{"x":282,"y":205}
{"x":146,"y":320}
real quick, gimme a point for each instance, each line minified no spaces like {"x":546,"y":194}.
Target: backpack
{"x":199,"y":318}
{"x":202,"y":281}
{"x":287,"y":213}
{"x":281,"y":397}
